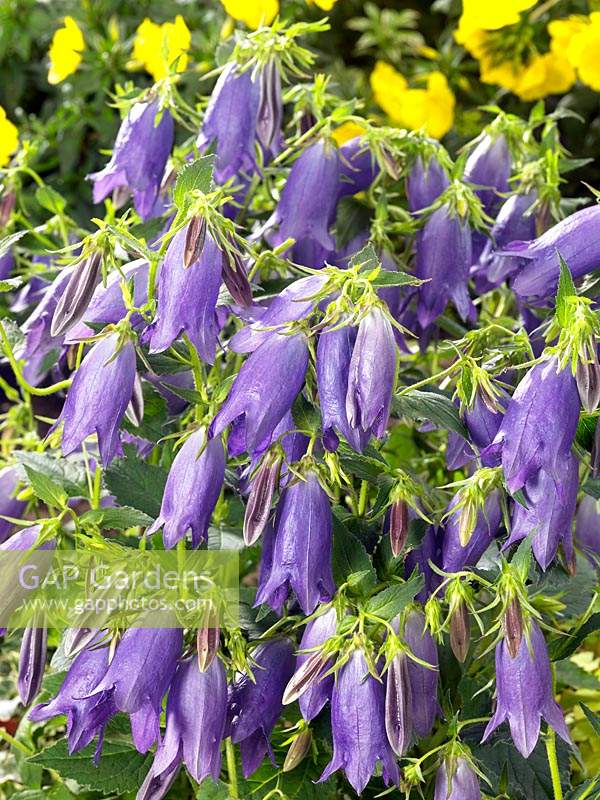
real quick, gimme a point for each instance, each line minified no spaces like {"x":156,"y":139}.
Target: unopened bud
{"x":513,"y":627}
{"x":270,"y":107}
{"x":75,"y":299}
{"x":305,"y":677}
{"x":32,"y":660}
{"x":466,"y":523}
{"x":258,"y":507}
{"x":7,"y":205}
{"x":595,"y":458}
{"x":307,"y":121}
{"x":398,"y":526}
{"x":588,"y":384}
{"x":298,"y":750}
{"x":207,"y":644}
{"x":390,"y":164}
{"x":460,"y":632}
{"x":236,"y":279}
{"x":76,"y":639}
{"x":195,"y":237}
{"x":120,"y":196}
{"x":398,"y":705}
{"x":135,"y":409}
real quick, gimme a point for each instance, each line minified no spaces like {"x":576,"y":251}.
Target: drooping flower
{"x":32,"y":660}
{"x":398,"y":704}
{"x":253,"y":13}
{"x":358,"y":726}
{"x":538,"y":259}
{"x":455,"y":780}
{"x":423,"y":680}
{"x":9,"y":138}
{"x":303,"y":545}
{"x":196,"y":715}
{"x":187,"y":298}
{"x":98,"y":397}
{"x":488,"y":168}
{"x":264,"y":391}
{"x":444,"y":257}
{"x":372,"y":374}
{"x":255,"y":706}
{"x":482,"y":424}
{"x":192,"y":490}
{"x":316,"y":633}
{"x":65,"y":51}
{"x":270,"y":108}
{"x":524,"y":688}
{"x":9,"y":505}
{"x":141,"y":150}
{"x":425,"y":183}
{"x":513,"y":222}
{"x":358,"y":168}
{"x":138,"y":677}
{"x":587,"y":528}
{"x":548,"y":516}
{"x":455,"y":557}
{"x":539,"y":425}
{"x":159,"y":47}
{"x":420,"y":557}
{"x":75,"y":298}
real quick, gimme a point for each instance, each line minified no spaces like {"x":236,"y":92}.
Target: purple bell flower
{"x":316,"y":633}
{"x":488,"y":168}
{"x":139,"y":156}
{"x":98,"y":397}
{"x":455,"y":557}
{"x":423,"y":681}
{"x":303,"y":546}
{"x":187,"y":298}
{"x":419,"y":557}
{"x":32,"y":660}
{"x":9,"y":505}
{"x":358,"y":168}
{"x":482,"y":424}
{"x":539,"y":265}
{"x":524,"y":688}
{"x":138,"y":677}
{"x":548,"y":517}
{"x":264,"y":391}
{"x":512,"y":223}
{"x":372,"y":374}
{"x":196,"y":715}
{"x":358,"y":726}
{"x":255,"y":707}
{"x":444,"y":258}
{"x":587,"y":529}
{"x":86,"y":716}
{"x":456,"y":781}
{"x":425,"y":183}
{"x":192,"y":490}
{"x":539,"y":424}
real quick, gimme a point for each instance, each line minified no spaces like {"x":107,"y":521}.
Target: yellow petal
{"x":253,"y":13}
{"x":346,"y":131}
{"x":65,"y":51}
{"x":9,"y":138}
{"x":491,"y":16}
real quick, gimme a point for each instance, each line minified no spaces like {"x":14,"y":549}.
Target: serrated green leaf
{"x":592,"y":487}
{"x":389,"y":602}
{"x":306,"y":417}
{"x":136,"y":484}
{"x":8,"y":241}
{"x":47,"y":490}
{"x":366,"y":257}
{"x":567,"y":644}
{"x":368,"y":466}
{"x":351,"y":562}
{"x":67,"y":473}
{"x":575,"y":677}
{"x":50,"y":199}
{"x":589,"y":790}
{"x":566,"y":289}
{"x":592,"y":717}
{"x":389,"y":278}
{"x":196,"y":176}
{"x":432,"y":406}
{"x":120,"y":518}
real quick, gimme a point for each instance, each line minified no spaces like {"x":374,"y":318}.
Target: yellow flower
{"x":388,"y":87}
{"x":583,"y":52}
{"x":157,"y":47}
{"x":9,"y":138}
{"x":253,"y":13}
{"x":346,"y":131}
{"x":562,"y":32}
{"x":490,"y":16}
{"x":65,"y":51}
{"x":545,"y":74}
{"x":324,"y":5}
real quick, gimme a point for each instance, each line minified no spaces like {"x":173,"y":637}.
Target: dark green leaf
{"x":196,"y":176}
{"x":592,"y":487}
{"x":46,"y":489}
{"x":432,"y":406}
{"x":585,"y":791}
{"x":135,"y":483}
{"x":306,"y":417}
{"x":368,"y":466}
{"x":593,"y":718}
{"x":389,"y":278}
{"x":50,"y":199}
{"x":67,"y":473}
{"x":391,"y":601}
{"x":566,"y":288}
{"x":574,"y":677}
{"x":566,"y":645}
{"x":120,"y":518}
{"x":367,"y":258}
{"x":351,"y":563}
{"x":352,"y":216}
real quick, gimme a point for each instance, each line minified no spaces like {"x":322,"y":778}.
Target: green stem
{"x":362,"y":499}
{"x":231,"y":769}
{"x":15,"y":743}
{"x":553,"y":763}
{"x":27,"y":387}
{"x":448,"y":371}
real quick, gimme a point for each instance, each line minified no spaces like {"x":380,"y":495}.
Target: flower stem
{"x":15,"y":743}
{"x":231,"y":769}
{"x":553,"y":764}
{"x":28,"y":388}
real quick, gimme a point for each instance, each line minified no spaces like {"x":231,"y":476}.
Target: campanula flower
{"x":482,"y":424}
{"x":264,"y":391}
{"x":187,"y":298}
{"x":358,"y":168}
{"x":425,"y":183}
{"x":398,"y":704}
{"x":192,"y":490}
{"x":302,"y":550}
{"x":270,"y":108}
{"x":316,"y":633}
{"x":513,"y":222}
{"x":524,"y":688}
{"x":98,"y":397}
{"x":77,"y":294}
{"x":32,"y":660}
{"x":65,"y":51}
{"x":423,"y":680}
{"x":9,"y":505}
{"x":488,"y":168}
{"x":539,"y":425}
{"x":455,"y":780}
{"x":358,"y":726}
{"x":587,"y":528}
{"x":255,"y":706}
{"x":141,"y":150}
{"x":455,"y":557}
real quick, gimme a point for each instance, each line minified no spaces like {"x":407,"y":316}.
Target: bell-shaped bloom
{"x":482,"y":423}
{"x":32,"y":661}
{"x":456,"y":781}
{"x":230,"y":123}
{"x":98,"y":397}
{"x":488,"y":168}
{"x":425,"y":183}
{"x":187,"y":298}
{"x":196,"y":715}
{"x":297,"y":301}
{"x":86,"y":716}
{"x":587,"y":528}
{"x":308,"y":202}
{"x":270,"y":108}
{"x":303,"y":546}
{"x":334,"y":353}
{"x":264,"y":390}
{"x":524,"y":693}
{"x":358,"y":168}
{"x":138,"y":677}
{"x":455,"y":557}
{"x":539,"y":425}
{"x":419,"y":557}
{"x":76,"y":297}
{"x":444,"y":258}
{"x":316,"y":633}
{"x":513,"y":222}
{"x":372,"y":374}
{"x":9,"y":505}
{"x":423,"y":680}
{"x":139,"y":156}
{"x":548,"y":517}
{"x":192,"y":490}
{"x":255,"y":706}
{"x":538,"y":259}
{"x":398,"y":704}
{"x":358,"y":726}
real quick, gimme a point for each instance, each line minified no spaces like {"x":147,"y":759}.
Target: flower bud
{"x":76,"y":639}
{"x":236,"y":279}
{"x":7,"y":204}
{"x":75,"y":299}
{"x":398,"y":526}
{"x":398,"y":705}
{"x":298,"y":750}
{"x":120,"y":196}
{"x":195,"y":237}
{"x":207,"y":643}
{"x":513,"y":627}
{"x":258,"y":507}
{"x":135,"y":409}
{"x":460,"y":632}
{"x":270,"y":107}
{"x":466,"y":523}
{"x":390,"y":164}
{"x":305,"y":677}
{"x":32,"y":660}
{"x":588,"y":384}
